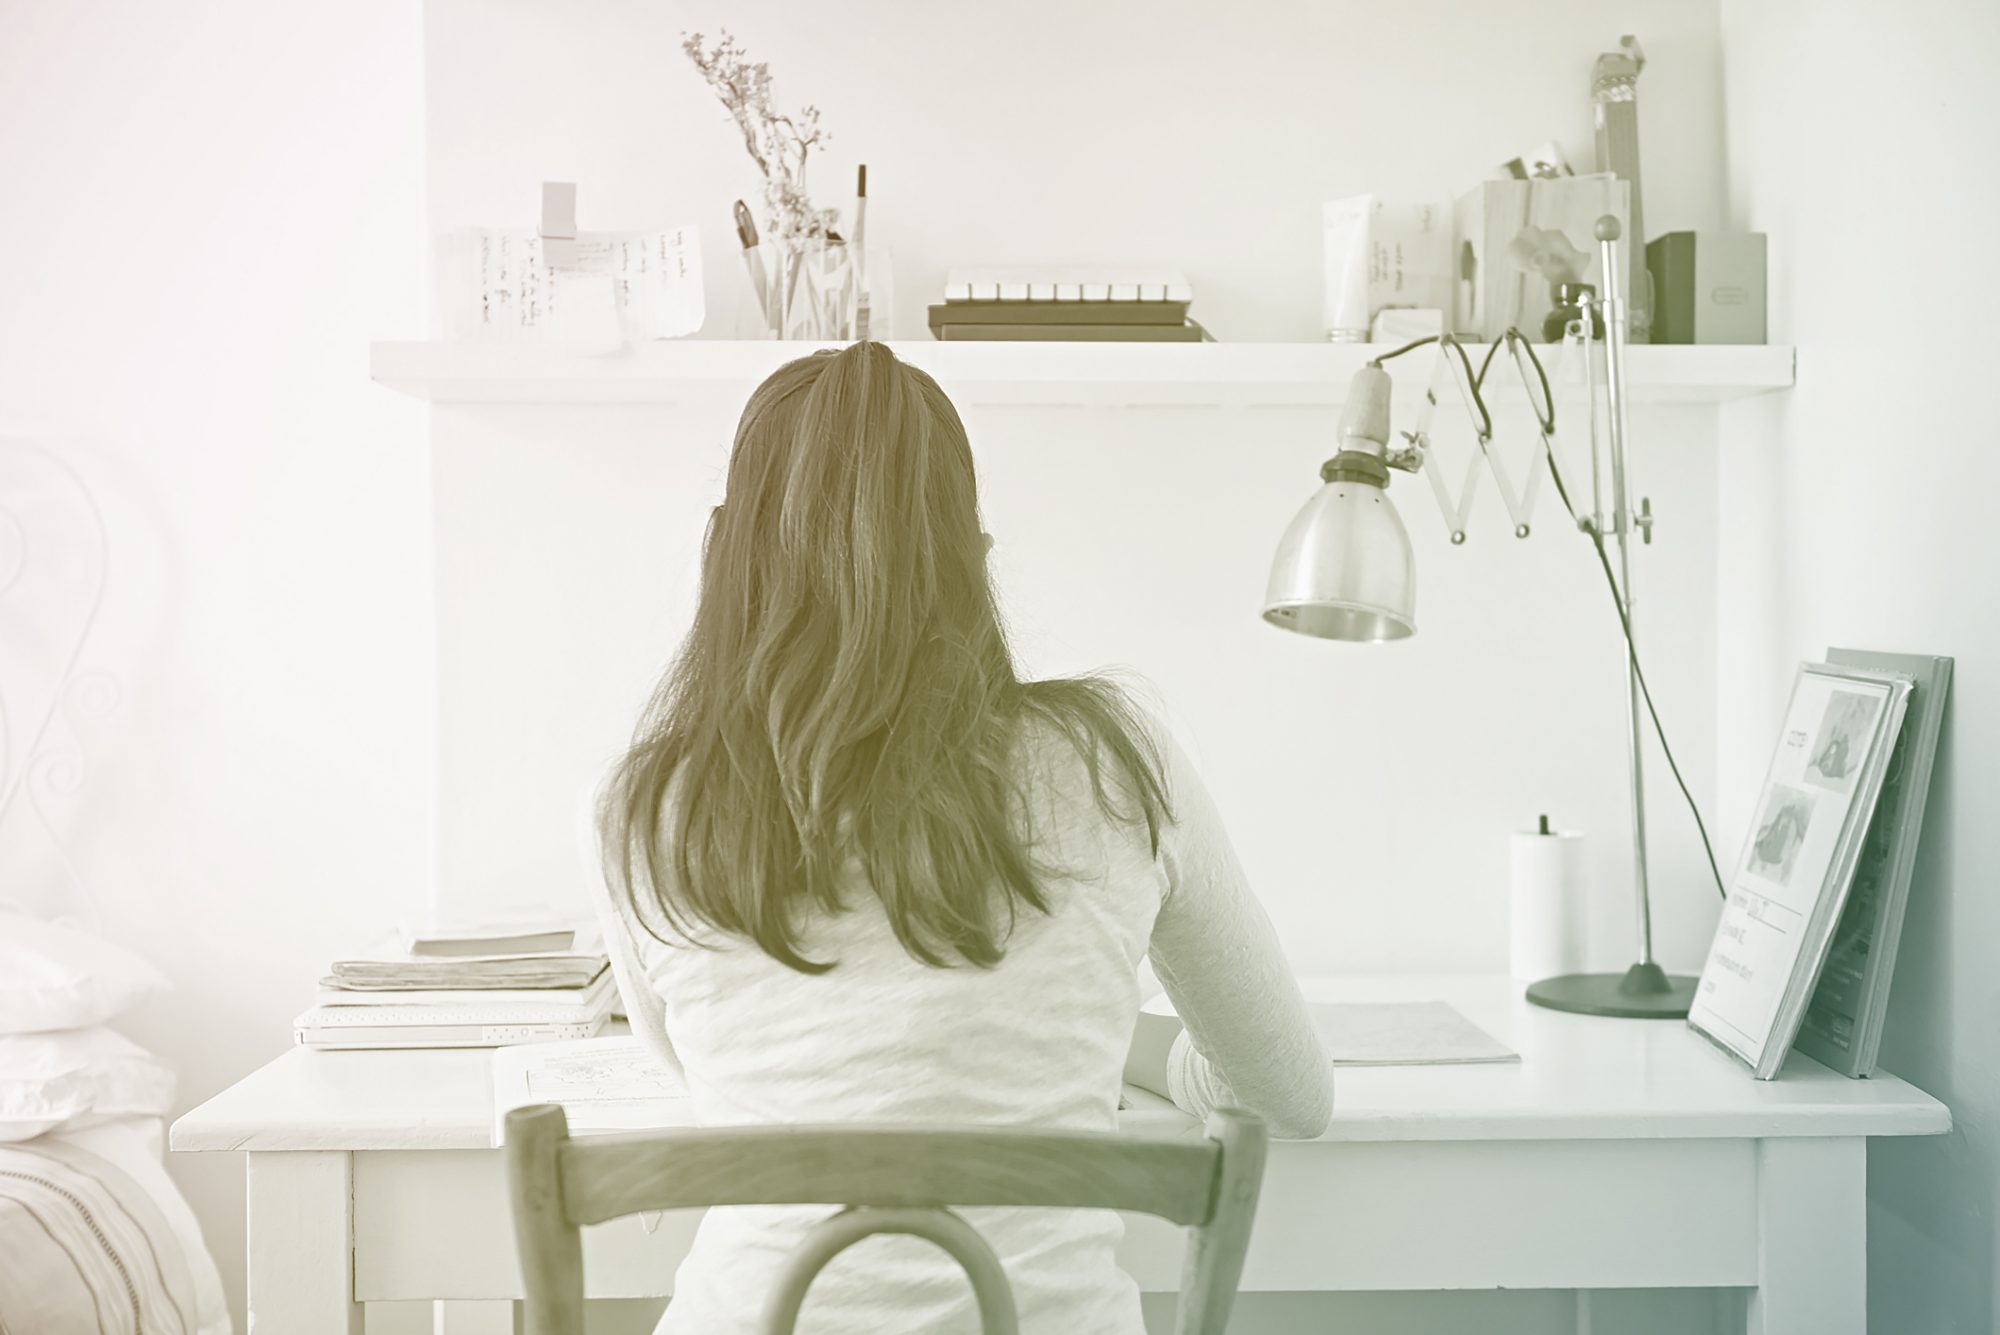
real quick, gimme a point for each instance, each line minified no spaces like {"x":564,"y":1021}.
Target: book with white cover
{"x":567,"y":1007}
{"x":459,"y":1019}
{"x":444,"y":1035}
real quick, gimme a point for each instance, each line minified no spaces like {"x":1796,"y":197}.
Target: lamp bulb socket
{"x":1365,"y":415}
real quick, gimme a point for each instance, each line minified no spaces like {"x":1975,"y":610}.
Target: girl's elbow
{"x":1307,"y":1119}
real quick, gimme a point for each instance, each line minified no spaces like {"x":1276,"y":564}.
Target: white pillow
{"x":77,"y":1077}
{"x":57,"y":977}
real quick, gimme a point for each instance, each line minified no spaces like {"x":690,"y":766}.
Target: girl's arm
{"x":1248,"y":1041}
{"x":642,"y":1005}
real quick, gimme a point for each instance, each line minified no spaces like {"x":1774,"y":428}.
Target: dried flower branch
{"x":778,"y":144}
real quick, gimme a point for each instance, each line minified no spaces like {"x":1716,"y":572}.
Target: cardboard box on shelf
{"x":1516,"y":239}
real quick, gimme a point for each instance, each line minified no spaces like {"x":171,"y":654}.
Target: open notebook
{"x":604,"y":1084}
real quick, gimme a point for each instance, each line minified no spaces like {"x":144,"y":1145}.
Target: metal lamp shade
{"x":1344,"y":569}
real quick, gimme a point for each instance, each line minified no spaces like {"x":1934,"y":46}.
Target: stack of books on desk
{"x":1065,"y":305}
{"x":465,"y":989}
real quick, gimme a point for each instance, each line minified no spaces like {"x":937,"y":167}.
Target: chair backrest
{"x":892,"y":1179}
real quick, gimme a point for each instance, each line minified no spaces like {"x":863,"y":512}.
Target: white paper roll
{"x":1545,"y":909}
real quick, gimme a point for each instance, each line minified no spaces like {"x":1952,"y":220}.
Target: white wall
{"x":208,"y":210}
{"x":1857,"y":510}
{"x":1199,"y":137}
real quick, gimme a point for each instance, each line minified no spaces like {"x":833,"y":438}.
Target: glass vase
{"x":815,"y":290}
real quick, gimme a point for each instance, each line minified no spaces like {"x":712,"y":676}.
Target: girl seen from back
{"x":857,"y":869}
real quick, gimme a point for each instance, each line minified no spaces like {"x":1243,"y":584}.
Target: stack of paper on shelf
{"x":1066,"y":304}
{"x":465,"y":988}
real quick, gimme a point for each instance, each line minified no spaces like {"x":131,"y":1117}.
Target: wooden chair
{"x":892,"y":1179}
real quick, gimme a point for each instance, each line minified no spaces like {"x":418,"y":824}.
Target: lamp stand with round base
{"x":1643,"y":992}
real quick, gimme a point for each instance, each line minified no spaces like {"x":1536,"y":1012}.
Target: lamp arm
{"x":1409,"y":456}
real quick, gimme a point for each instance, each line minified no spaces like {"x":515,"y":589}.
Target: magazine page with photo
{"x":1818,"y":796}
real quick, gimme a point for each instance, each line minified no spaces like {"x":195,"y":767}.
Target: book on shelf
{"x":1059,"y":312}
{"x":1186,"y":332}
{"x":1060,"y":282}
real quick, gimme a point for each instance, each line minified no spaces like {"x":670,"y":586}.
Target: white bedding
{"x":95,"y":1237}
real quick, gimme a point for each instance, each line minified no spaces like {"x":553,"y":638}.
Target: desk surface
{"x":1579,"y":1077}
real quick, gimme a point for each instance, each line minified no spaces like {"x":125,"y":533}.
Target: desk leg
{"x":1812,"y":1237}
{"x":301,"y":1253}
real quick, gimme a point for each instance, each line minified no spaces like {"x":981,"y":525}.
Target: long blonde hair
{"x":847,"y":689}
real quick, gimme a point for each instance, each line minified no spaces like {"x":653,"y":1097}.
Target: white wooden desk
{"x":1615,"y":1154}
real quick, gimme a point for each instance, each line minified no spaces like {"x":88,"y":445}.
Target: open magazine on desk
{"x":603,"y":1084}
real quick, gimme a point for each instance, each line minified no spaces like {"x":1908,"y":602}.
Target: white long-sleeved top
{"x":1039,"y":1040}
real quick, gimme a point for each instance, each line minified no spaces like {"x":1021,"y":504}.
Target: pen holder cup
{"x":821,"y":291}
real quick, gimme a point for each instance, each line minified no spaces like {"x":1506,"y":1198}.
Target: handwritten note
{"x":612,"y":288}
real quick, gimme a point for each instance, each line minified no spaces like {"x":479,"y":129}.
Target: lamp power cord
{"x":1474,"y":381}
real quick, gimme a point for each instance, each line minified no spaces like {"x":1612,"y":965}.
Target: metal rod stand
{"x":1645,"y":991}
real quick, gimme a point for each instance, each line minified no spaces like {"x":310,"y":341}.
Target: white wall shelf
{"x":1112,"y":374}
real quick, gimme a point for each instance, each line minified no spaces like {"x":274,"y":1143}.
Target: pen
{"x":746,"y":232}
{"x":860,"y":253}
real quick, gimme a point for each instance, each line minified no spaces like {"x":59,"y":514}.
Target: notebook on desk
{"x":1403,"y":1033}
{"x":1393,"y":1033}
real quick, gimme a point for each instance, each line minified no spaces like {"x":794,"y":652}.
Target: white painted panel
{"x":301,"y":1254}
{"x":1451,"y":1215}
{"x":1812,"y":1239}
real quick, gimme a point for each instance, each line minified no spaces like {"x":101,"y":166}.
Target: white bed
{"x":95,"y":1239}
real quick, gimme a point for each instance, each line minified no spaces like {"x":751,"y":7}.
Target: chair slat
{"x":904,"y":1175}
{"x":604,"y":1177}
